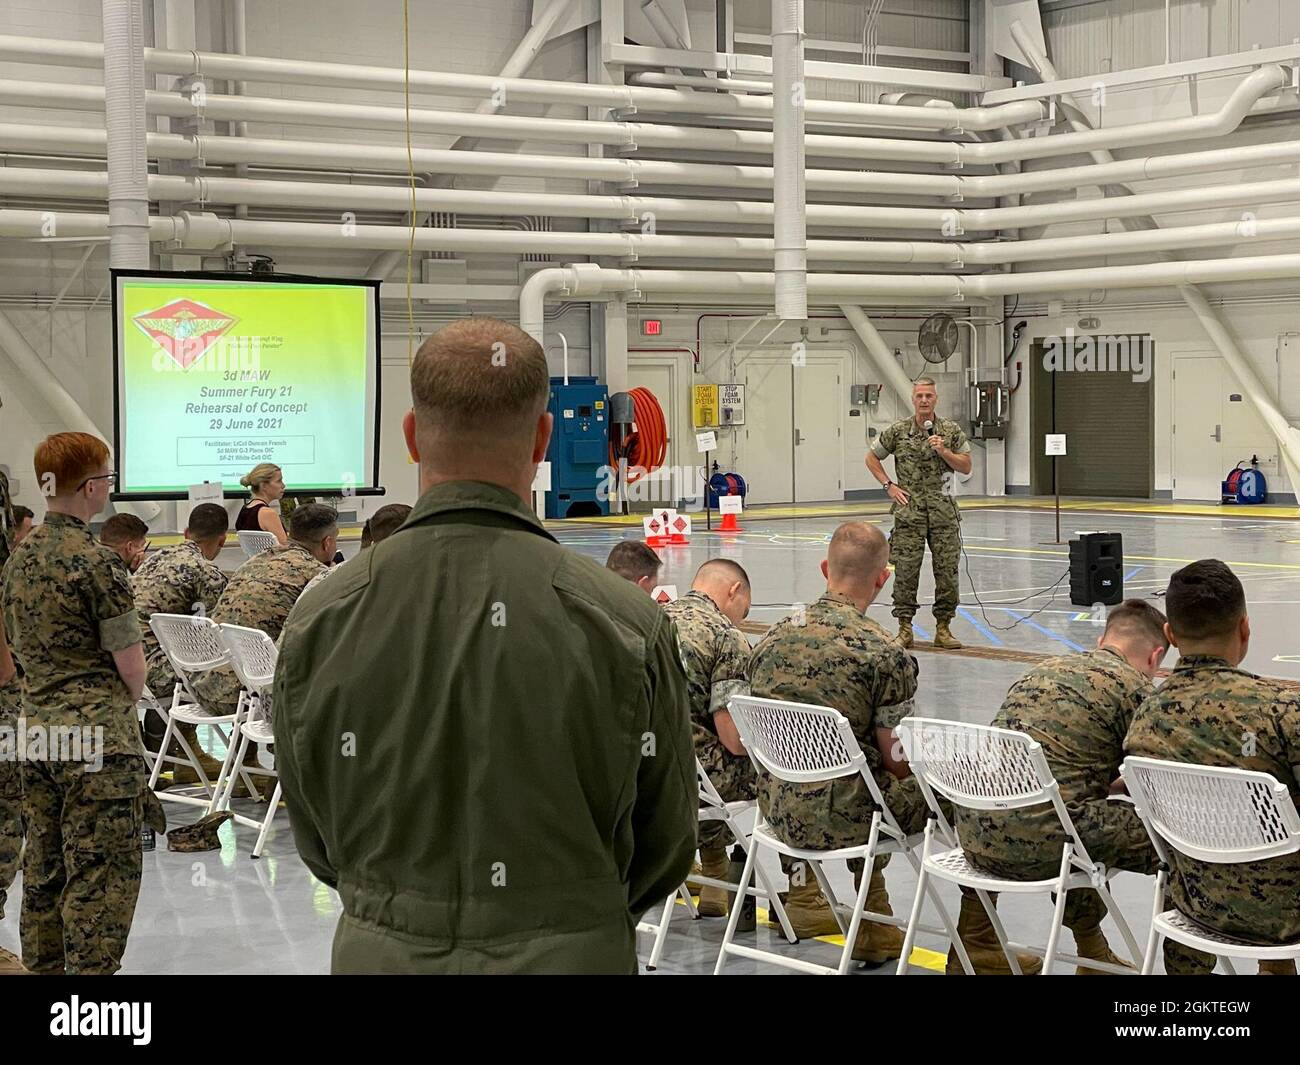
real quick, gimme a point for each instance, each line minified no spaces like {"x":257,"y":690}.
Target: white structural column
{"x":790,"y":260}
{"x":124,"y":121}
{"x":1288,"y":437}
{"x":878,"y":351}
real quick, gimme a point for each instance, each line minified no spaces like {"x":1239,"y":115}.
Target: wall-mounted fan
{"x":937,"y":337}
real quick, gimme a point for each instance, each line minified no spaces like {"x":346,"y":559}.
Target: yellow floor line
{"x":926,"y":959}
{"x":1133,"y":558}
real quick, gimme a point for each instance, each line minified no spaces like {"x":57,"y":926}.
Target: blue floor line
{"x":920,"y":631}
{"x":986,"y":633}
{"x":1044,"y":630}
{"x":1131,"y":573}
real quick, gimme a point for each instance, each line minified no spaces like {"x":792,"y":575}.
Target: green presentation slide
{"x":215,"y":376}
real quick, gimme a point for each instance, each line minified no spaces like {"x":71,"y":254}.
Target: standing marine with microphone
{"x":928,"y":451}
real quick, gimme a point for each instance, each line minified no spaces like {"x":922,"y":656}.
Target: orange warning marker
{"x":656,"y":534}
{"x":729,"y":524}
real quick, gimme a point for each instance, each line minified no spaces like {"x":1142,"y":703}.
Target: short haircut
{"x":1204,"y":600}
{"x":310,"y":523}
{"x":722,"y":569}
{"x":858,"y":552}
{"x":383,"y":523}
{"x":64,"y":460}
{"x":632,"y":560}
{"x":259,"y":475}
{"x":208,"y":521}
{"x":22,"y":513}
{"x":479,"y":384}
{"x":924,"y":381}
{"x":122,"y":529}
{"x":1137,"y":620}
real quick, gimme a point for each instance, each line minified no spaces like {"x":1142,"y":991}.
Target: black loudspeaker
{"x":1097,"y":569}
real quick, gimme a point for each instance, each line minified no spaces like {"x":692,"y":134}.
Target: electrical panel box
{"x":990,"y":410}
{"x":579,"y":448}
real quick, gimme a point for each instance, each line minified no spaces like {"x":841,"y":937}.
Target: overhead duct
{"x":124,"y":123}
{"x":789,"y":228}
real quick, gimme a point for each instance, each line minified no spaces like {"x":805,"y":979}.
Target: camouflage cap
{"x":200,"y":836}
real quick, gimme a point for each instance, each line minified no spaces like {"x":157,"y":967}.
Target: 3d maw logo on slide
{"x":184,"y":329}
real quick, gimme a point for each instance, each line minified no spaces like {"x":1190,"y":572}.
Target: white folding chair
{"x":800,"y":744}
{"x":193,"y":646}
{"x":1224,"y":816}
{"x":254,"y":543}
{"x":714,"y":808}
{"x":252,"y":656}
{"x":979,"y":767}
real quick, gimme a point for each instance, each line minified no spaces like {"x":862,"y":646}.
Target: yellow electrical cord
{"x":410,"y":178}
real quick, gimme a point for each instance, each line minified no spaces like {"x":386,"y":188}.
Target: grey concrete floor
{"x":222,"y":912}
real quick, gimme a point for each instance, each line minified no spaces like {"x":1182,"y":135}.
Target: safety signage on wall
{"x":731,"y":404}
{"x":704,"y":406}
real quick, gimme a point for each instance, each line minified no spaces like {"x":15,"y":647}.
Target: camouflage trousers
{"x":735,"y":780}
{"x":1028,"y":846}
{"x":913,"y":529}
{"x":219,"y":689}
{"x":81,"y":869}
{"x":838,"y":813}
{"x":1255,"y":901}
{"x":11,"y":799}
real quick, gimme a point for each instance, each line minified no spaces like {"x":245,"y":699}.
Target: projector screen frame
{"x":116,"y":273}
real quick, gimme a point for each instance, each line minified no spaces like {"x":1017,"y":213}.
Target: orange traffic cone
{"x":729,"y":524}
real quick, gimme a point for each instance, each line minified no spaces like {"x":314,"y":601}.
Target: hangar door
{"x":1107,"y":416}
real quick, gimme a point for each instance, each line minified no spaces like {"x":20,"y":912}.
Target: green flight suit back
{"x":484,"y":743}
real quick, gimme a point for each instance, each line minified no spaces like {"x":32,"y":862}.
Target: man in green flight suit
{"x":483,"y":737}
{"x":928,"y":451}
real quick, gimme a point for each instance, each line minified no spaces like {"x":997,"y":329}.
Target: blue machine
{"x":1245,"y":486}
{"x":579,"y":448}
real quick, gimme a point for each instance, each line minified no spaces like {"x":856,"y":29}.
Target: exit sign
{"x":651,"y":327}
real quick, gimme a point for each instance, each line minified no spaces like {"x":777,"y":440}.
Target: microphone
{"x":928,"y":426}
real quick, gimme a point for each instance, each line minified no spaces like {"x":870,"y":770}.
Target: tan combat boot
{"x":713,"y":900}
{"x":981,"y":941}
{"x":905,"y":632}
{"x":808,"y":909}
{"x":944,"y":638}
{"x":1091,"y":943}
{"x":1282,"y":967}
{"x":877,"y":943}
{"x":10,"y":964}
{"x":184,"y":774}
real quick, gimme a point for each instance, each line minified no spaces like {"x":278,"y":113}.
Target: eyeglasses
{"x":111,"y":478}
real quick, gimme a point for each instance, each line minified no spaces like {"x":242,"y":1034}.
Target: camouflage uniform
{"x":931,"y":514}
{"x":1079,"y":708}
{"x":1209,"y":713}
{"x":838,"y":657}
{"x":716,"y":653}
{"x":259,"y":596}
{"x":68,"y":607}
{"x":173,"y":580}
{"x":11,"y":786}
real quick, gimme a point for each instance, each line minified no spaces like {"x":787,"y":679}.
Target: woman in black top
{"x":266,"y":484}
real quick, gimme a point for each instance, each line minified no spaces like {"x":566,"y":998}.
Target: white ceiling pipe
{"x":789,"y":227}
{"x":518,"y":63}
{"x":1286,"y":436}
{"x":176,"y":189}
{"x":516,"y":89}
{"x":291,"y":153}
{"x":629,"y":134}
{"x":124,"y":124}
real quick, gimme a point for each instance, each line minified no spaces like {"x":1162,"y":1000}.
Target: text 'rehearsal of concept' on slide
{"x":216,"y":376}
